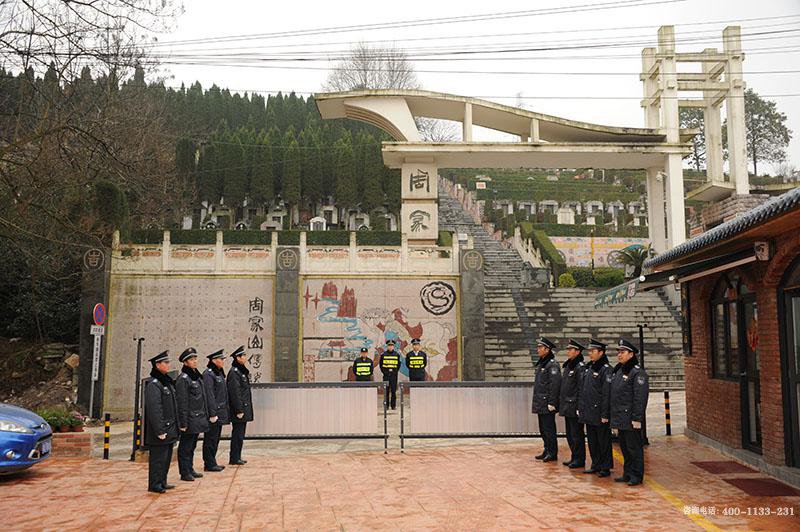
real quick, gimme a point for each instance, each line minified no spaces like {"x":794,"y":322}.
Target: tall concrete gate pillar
{"x":473,"y":360}
{"x":656,"y":216}
{"x":734,"y":106}
{"x":419,"y":212}
{"x":94,"y":289}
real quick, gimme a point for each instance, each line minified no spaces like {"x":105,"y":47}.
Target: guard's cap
{"x":415,"y":340}
{"x":626,"y":344}
{"x":161,"y":357}
{"x":238,"y":352}
{"x":389,"y":342}
{"x":575,"y":345}
{"x":546,"y":342}
{"x":597,"y":344}
{"x":364,"y":350}
{"x":217,"y":354}
{"x":189,"y":353}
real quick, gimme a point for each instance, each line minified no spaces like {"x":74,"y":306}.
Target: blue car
{"x":25,"y":439}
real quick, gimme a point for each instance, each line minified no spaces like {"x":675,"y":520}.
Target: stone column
{"x":466,"y":133}
{"x":94,"y":289}
{"x":287,"y":276}
{"x":656,"y":216}
{"x":419,"y":212}
{"x":473,"y":361}
{"x":737,"y":136}
{"x":676,"y":215}
{"x":712,"y":126}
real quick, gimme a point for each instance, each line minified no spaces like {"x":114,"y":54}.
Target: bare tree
{"x":384,"y":68}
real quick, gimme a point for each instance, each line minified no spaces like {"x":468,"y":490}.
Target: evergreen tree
{"x":262,"y":188}
{"x":291,"y":175}
{"x":344,"y":169}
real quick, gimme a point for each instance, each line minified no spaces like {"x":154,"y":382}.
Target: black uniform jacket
{"x":546,"y":385}
{"x":571,"y":375}
{"x":363,"y":368}
{"x":192,"y":409}
{"x":594,"y":392}
{"x":160,"y":410}
{"x":416,"y":364}
{"x":390,"y":362}
{"x":239,"y":395}
{"x":629,"y":392}
{"x":217,"y":394}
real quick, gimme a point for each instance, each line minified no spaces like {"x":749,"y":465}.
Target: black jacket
{"x":593,"y":393}
{"x":629,"y":393}
{"x":546,"y":385}
{"x":363,"y":368}
{"x":571,"y":375}
{"x":192,"y":409}
{"x":160,"y":410}
{"x":416,"y":364}
{"x":390,"y":362}
{"x":239,"y":395}
{"x":217,"y":394}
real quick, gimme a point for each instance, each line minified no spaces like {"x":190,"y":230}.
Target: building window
{"x":725,"y":309}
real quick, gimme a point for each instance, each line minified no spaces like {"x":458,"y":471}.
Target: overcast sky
{"x":771,"y":44}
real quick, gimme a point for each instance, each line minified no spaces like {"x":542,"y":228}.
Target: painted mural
{"x":342,"y":315}
{"x":577,"y":250}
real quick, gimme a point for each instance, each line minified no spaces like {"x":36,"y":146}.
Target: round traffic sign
{"x":99,"y":314}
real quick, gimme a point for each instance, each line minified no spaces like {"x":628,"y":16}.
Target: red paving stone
{"x":479,"y":487}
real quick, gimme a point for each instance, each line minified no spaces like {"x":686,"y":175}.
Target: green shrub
{"x":378,"y":238}
{"x":142,"y":236}
{"x":445,"y":239}
{"x":602,"y":278}
{"x":193,"y":236}
{"x":233,"y":237}
{"x":565,"y":280}
{"x":288,"y":238}
{"x":549,"y":252}
{"x":328,"y":238}
{"x":583,"y":277}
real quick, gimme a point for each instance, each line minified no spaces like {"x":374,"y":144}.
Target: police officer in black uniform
{"x":390,"y":364}
{"x":241,"y":403}
{"x":629,"y":393}
{"x":571,"y":375}
{"x":363,"y":366}
{"x":593,"y":409}
{"x":193,"y":418}
{"x":160,"y":422}
{"x":416,"y":362}
{"x":546,"y":394}
{"x":218,"y":413}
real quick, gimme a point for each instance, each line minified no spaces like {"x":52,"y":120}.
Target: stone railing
{"x":527,"y":250}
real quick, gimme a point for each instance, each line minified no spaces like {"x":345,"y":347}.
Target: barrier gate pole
{"x":402,"y":417}
{"x":106,"y":435}
{"x":666,"y":413}
{"x":385,"y":418}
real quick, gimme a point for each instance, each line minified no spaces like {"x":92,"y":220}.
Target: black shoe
{"x":157,"y":489}
{"x":590,"y":471}
{"x":168,"y":486}
{"x":540,"y":456}
{"x":604,"y":473}
{"x":214,"y":468}
{"x":576,"y":466}
{"x":549,"y":458}
{"x":195,"y":474}
{"x":633,"y":482}
{"x":187,"y":478}
{"x":237,"y":462}
{"x":567,"y":463}
{"x":622,"y":479}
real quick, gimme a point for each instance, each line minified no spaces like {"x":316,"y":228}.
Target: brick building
{"x":740,"y":293}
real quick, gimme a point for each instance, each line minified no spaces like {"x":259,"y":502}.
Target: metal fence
{"x":469,"y":410}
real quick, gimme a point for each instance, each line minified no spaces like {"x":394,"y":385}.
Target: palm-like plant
{"x":635,"y":257}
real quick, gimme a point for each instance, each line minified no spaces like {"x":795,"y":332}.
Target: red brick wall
{"x":713,"y":405}
{"x":72,"y":444}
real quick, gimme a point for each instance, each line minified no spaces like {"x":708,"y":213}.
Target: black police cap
{"x":415,"y":340}
{"x":238,"y":352}
{"x":364,"y":350}
{"x":597,"y":344}
{"x":161,"y":357}
{"x":187,"y":354}
{"x":575,"y":345}
{"x":216,"y":354}
{"x":626,"y":344}
{"x":389,"y":342}
{"x":546,"y":342}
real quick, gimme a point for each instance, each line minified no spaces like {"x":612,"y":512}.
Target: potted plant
{"x":76,"y":421}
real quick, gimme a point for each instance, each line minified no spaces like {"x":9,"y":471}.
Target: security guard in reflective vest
{"x":193,"y":418}
{"x":390,"y":364}
{"x":160,"y":422}
{"x":363,"y":366}
{"x":416,"y":362}
{"x":546,"y":394}
{"x":593,"y":409}
{"x":571,"y":375}
{"x":218,"y":412}
{"x":629,"y":393}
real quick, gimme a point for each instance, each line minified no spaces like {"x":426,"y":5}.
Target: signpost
{"x":97,"y":330}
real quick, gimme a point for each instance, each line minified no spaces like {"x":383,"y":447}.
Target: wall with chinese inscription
{"x":173,"y":312}
{"x":577,"y":250}
{"x":342,"y":314}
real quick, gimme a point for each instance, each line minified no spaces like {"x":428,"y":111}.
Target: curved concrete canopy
{"x":394,"y":110}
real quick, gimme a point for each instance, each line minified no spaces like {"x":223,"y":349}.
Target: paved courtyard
{"x":493,"y":485}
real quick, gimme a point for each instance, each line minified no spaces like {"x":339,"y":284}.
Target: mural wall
{"x":577,"y":250}
{"x":175,"y":312}
{"x":341,"y":315}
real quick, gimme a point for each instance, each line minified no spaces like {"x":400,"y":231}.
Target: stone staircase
{"x":562,"y":313}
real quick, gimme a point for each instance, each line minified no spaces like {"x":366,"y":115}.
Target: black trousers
{"x":547,"y":427}
{"x":158,"y":465}
{"x":630,"y":443}
{"x":211,"y":444}
{"x":599,"y":438}
{"x":576,"y":440}
{"x":186,"y":446}
{"x":237,"y":441}
{"x":392,"y":391}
